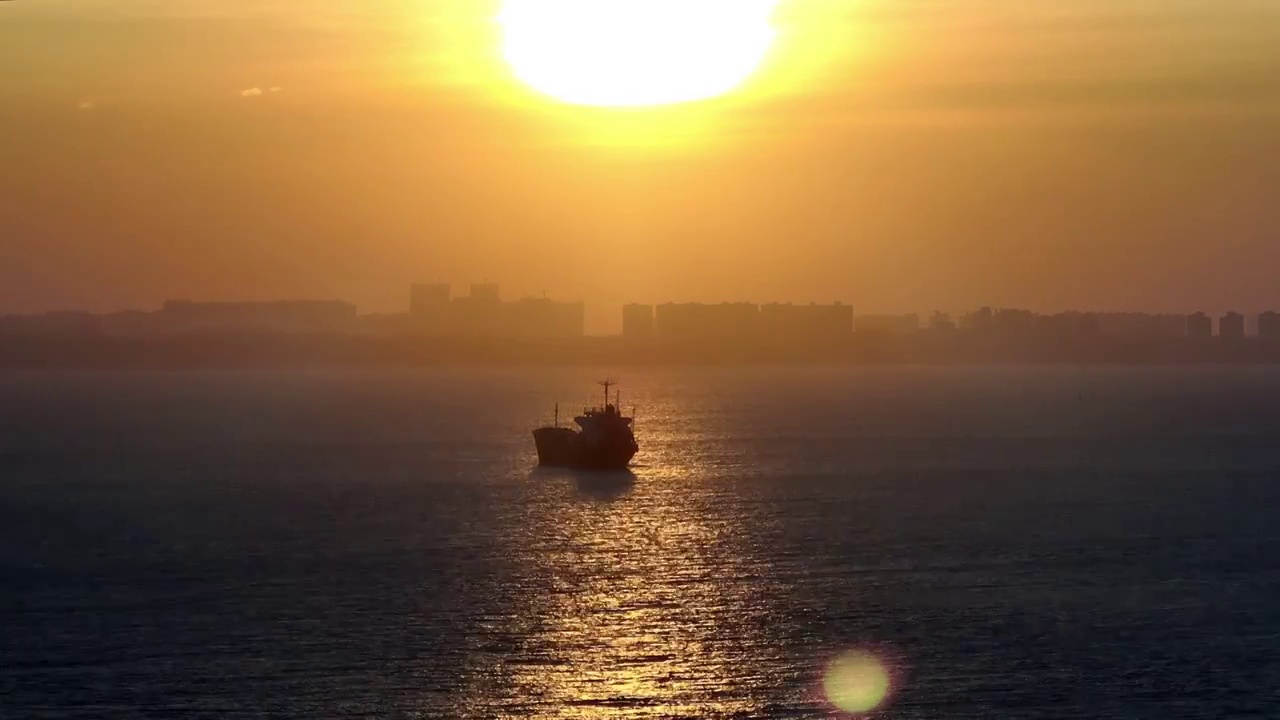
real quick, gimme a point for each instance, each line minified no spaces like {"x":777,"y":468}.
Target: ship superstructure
{"x":605,"y":440}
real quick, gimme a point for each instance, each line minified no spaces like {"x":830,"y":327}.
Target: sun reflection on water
{"x":628,"y":625}
{"x":643,"y":611}
{"x":647,"y":594}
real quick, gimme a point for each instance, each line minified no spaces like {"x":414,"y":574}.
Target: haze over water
{"x":1023,"y":543}
{"x":900,"y":156}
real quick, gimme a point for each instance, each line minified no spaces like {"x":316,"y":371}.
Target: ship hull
{"x":562,"y":447}
{"x":555,"y":446}
{"x":602,"y":460}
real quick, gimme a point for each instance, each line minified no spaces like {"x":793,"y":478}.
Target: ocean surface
{"x":995,"y":543}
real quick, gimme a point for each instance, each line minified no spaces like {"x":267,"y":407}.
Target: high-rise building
{"x":1060,"y":326}
{"x":1122,"y":324}
{"x":288,"y":316}
{"x":887,"y":324}
{"x":806,"y":322}
{"x":129,"y":323}
{"x":543,"y":318}
{"x":980,"y":321}
{"x":1269,"y":325}
{"x":485,"y":293}
{"x":60,"y":322}
{"x":1087,"y":326}
{"x":1231,"y":326}
{"x":428,"y":298}
{"x":483,"y":314}
{"x":429,"y":307}
{"x":1199,"y":326}
{"x":637,"y":321}
{"x":480,"y":313}
{"x":696,"y":321}
{"x":1014,"y":322}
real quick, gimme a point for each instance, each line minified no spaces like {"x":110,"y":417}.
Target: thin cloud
{"x":251,"y":92}
{"x":86,"y":105}
{"x":277,"y":89}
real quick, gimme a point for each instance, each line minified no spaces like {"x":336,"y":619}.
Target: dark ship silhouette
{"x":605,"y":442}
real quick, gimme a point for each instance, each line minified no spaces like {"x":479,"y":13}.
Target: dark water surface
{"x":1011,"y":543}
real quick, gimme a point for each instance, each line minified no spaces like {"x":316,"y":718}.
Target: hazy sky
{"x":899,"y":155}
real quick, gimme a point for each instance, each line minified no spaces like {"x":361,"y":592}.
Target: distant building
{"x":696,"y":321}
{"x":129,"y":323}
{"x":1269,"y":326}
{"x":479,"y":314}
{"x":979,"y":321}
{"x":1014,"y":322}
{"x":941,"y":322}
{"x":284,"y":316}
{"x":398,"y":324}
{"x":806,"y":322}
{"x":51,"y":323}
{"x":887,"y":324}
{"x":637,"y":321}
{"x":428,"y":298}
{"x":433,"y":311}
{"x":1231,"y":326}
{"x":485,"y":293}
{"x":543,"y":318}
{"x":1087,"y":326}
{"x":1199,"y":326}
{"x":1061,"y":326}
{"x":429,"y":307}
{"x":1142,"y":325}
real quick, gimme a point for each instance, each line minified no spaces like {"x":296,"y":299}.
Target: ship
{"x":605,"y":440}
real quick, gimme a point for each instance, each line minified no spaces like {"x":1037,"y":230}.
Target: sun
{"x":635,"y":53}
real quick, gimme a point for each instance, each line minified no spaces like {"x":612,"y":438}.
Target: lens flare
{"x":857,"y":682}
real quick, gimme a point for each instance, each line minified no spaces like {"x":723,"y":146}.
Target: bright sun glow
{"x":634,"y":53}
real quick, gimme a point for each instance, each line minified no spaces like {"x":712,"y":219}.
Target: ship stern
{"x":555,"y":446}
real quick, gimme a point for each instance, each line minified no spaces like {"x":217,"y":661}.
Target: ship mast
{"x":607,"y":383}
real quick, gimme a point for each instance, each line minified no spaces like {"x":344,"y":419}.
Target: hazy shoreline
{"x":352,"y":351}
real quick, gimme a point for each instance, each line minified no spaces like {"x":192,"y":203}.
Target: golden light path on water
{"x":657,"y":593}
{"x":641,"y":595}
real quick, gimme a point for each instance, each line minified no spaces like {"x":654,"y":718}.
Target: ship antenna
{"x":607,"y":383}
{"x":557,"y":416}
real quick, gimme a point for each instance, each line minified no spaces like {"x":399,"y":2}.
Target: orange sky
{"x":898,"y":155}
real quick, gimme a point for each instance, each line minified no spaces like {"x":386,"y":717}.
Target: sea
{"x":909,"y":542}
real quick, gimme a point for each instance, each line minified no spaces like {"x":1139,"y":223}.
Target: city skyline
{"x":937,"y":155}
{"x":434,"y":308}
{"x":602,"y":315}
